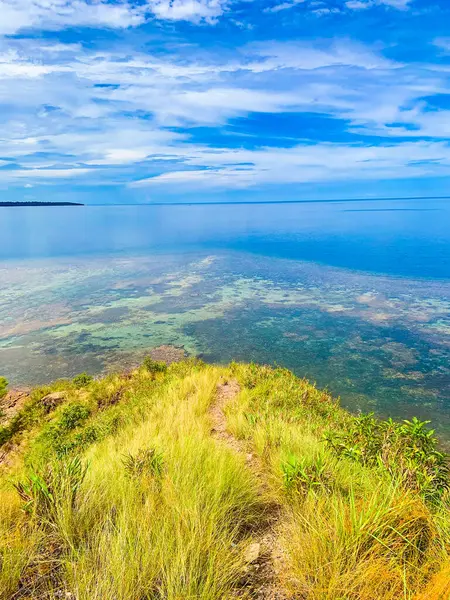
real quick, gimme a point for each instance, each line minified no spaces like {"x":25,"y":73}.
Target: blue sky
{"x":164,"y":100}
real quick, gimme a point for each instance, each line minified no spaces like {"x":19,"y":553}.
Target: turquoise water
{"x":353,"y":295}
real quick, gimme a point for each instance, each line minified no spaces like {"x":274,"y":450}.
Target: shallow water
{"x":355,"y":296}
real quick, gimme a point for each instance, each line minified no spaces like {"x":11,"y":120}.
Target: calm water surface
{"x":354,"y":295}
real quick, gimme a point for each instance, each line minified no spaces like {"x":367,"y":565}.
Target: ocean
{"x":354,"y":295}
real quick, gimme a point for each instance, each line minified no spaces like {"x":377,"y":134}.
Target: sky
{"x":220,"y":100}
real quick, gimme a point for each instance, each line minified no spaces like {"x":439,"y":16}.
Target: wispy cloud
{"x":195,"y":11}
{"x":40,"y":174}
{"x":17,"y":15}
{"x":138,"y":110}
{"x":283,"y":6}
{"x":364,"y":4}
{"x":443,"y":43}
{"x":305,"y":164}
{"x":325,"y":7}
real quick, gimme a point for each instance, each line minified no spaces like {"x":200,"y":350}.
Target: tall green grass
{"x":122,"y":493}
{"x":355,"y":527}
{"x":171,"y":532}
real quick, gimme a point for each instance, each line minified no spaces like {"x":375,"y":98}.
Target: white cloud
{"x":364,"y":4}
{"x":400,"y":4}
{"x":443,"y":43}
{"x":224,"y":168}
{"x":319,"y":8}
{"x":307,"y":56}
{"x":17,"y":15}
{"x":13,"y":66}
{"x":261,"y":78}
{"x":68,"y":111}
{"x":41,"y":174}
{"x":194,"y":11}
{"x":283,"y":6}
{"x":359,"y":4}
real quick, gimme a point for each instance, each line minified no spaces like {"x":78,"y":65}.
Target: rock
{"x":51,"y":401}
{"x":252,"y":553}
{"x":11,"y":403}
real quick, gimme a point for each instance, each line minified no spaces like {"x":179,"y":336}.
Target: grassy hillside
{"x":203,"y":482}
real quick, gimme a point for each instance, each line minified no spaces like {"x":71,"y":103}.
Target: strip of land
{"x":14,"y":204}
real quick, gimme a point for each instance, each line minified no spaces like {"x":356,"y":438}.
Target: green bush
{"x":73,"y":415}
{"x":146,"y":461}
{"x":5,"y":435}
{"x":82,"y":380}
{"x":3,"y":386}
{"x":407,"y":450}
{"x":87,"y":436}
{"x":154,"y":366}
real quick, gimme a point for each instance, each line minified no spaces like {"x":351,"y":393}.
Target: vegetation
{"x":82,"y":380}
{"x":3,"y":387}
{"x":154,"y":366}
{"x":123,"y":491}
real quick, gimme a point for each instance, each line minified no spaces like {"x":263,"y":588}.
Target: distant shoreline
{"x":12,"y":204}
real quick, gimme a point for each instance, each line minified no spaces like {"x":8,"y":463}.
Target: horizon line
{"x":240,"y":202}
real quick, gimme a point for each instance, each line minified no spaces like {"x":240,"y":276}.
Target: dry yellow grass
{"x":439,"y":586}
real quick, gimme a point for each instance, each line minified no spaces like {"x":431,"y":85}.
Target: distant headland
{"x":9,"y":204}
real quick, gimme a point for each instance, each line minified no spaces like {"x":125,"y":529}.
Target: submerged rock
{"x":168,"y":354}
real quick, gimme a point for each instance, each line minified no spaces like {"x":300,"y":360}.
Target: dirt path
{"x":263,"y":555}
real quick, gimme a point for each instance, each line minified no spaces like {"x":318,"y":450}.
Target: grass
{"x":122,"y":493}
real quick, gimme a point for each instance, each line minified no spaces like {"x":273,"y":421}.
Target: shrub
{"x":147,"y":461}
{"x":82,"y":380}
{"x":87,"y":436}
{"x":73,"y":415}
{"x":154,"y":366}
{"x":63,"y":445}
{"x":407,"y":450}
{"x":3,"y":387}
{"x":5,"y":435}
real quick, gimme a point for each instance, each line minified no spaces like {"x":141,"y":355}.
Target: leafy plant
{"x":154,"y":366}
{"x":87,"y":436}
{"x":5,"y":435}
{"x":407,"y":450}
{"x":82,"y":380}
{"x":59,"y":483}
{"x":73,"y":415}
{"x":147,"y":461}
{"x":300,"y":475}
{"x":3,"y":387}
